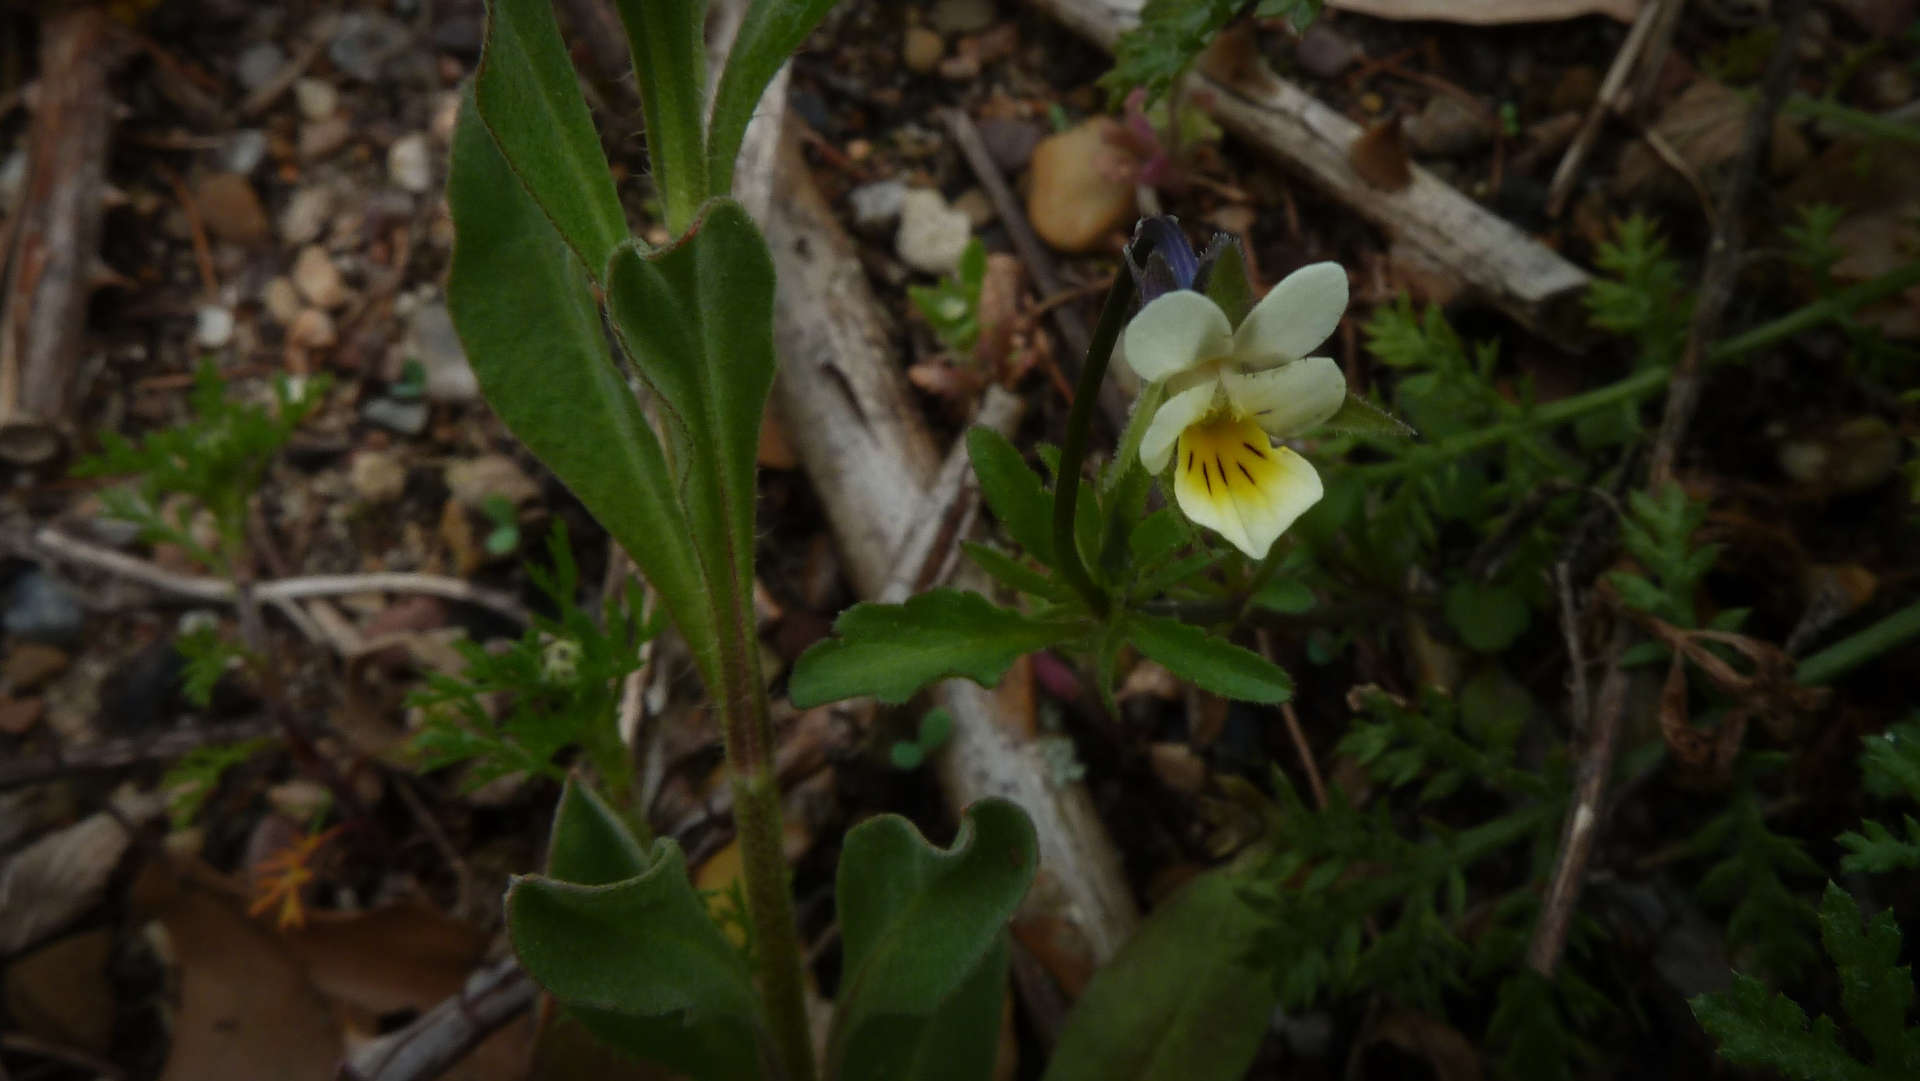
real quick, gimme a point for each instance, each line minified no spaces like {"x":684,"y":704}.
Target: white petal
{"x":1228,"y":482}
{"x":1174,"y":332}
{"x":1176,"y":414}
{"x":1294,"y":317}
{"x":1290,"y":399}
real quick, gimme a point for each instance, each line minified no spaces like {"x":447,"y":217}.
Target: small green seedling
{"x":505,"y":536}
{"x":952,"y":308}
{"x":935,"y":727}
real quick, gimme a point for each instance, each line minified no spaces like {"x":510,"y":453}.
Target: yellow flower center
{"x":1225,"y":451}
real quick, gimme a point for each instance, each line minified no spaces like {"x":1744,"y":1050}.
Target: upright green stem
{"x":1073,"y":451}
{"x":746,"y":728}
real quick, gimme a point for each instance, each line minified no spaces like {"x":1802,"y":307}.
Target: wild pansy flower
{"x":1232,"y":391}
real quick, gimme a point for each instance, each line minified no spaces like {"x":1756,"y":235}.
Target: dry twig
{"x":63,"y":547}
{"x":1612,"y":93}
{"x":1518,"y":274}
{"x":445,"y":1034}
{"x":1724,"y":251}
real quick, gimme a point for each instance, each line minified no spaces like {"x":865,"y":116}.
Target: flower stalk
{"x":1073,"y":450}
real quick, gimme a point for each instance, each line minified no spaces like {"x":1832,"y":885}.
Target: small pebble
{"x":306,"y":214}
{"x":1324,"y":52}
{"x":474,"y":481}
{"x":41,"y":609}
{"x":258,"y":64}
{"x":975,"y":204}
{"x":932,"y":235}
{"x":282,"y":300}
{"x":230,"y":209}
{"x":922,"y":49}
{"x":961,"y":16}
{"x":312,"y":329}
{"x":432,"y":340}
{"x":316,"y":97}
{"x":30,"y":665}
{"x":320,"y":138}
{"x":363,"y":42}
{"x":377,"y":476}
{"x":212,"y":326}
{"x":1446,"y":127}
{"x":1010,"y":143}
{"x":405,"y":418}
{"x":877,"y":204}
{"x":1081,"y":186}
{"x":318,"y":280}
{"x":243,"y":151}
{"x":410,"y":163}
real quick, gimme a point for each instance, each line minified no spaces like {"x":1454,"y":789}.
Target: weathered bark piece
{"x":1511,"y":270}
{"x":846,"y":407}
{"x":55,"y":237}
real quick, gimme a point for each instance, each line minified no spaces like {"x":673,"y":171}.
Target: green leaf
{"x":1288,"y":596}
{"x":769,"y":33}
{"x":906,"y":756}
{"x":642,"y":967}
{"x":1013,"y":491}
{"x":1756,"y":1027}
{"x":1488,"y":617}
{"x":521,"y":302}
{"x":697,"y":319}
{"x":1011,"y":572}
{"x":1890,"y":762}
{"x":1227,"y":284}
{"x":1213,"y":663}
{"x":1878,"y":850}
{"x":591,"y":844}
{"x":667,"y":39}
{"x":1357,"y":416}
{"x":1157,"y":537}
{"x":530,"y":101}
{"x":923,"y":934}
{"x":890,"y":651}
{"x":1875,"y":992}
{"x":1179,"y":1003}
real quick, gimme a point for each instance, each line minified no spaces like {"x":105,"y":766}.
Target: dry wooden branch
{"x":847,"y":409}
{"x":1523,"y":277}
{"x":54,"y":239}
{"x":443,"y":1035}
{"x":1724,"y":251}
{"x":56,"y":545}
{"x":1583,"y":817}
{"x":120,"y":753}
{"x":1613,"y":92}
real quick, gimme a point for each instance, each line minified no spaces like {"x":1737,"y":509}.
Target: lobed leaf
{"x":924,"y":941}
{"x":890,"y":651}
{"x":640,"y":964}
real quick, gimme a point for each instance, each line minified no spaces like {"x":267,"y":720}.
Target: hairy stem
{"x":746,"y":728}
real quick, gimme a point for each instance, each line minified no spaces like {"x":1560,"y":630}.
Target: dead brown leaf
{"x":246,"y":1010}
{"x":60,"y":992}
{"x":400,"y":957}
{"x":1448,"y":1055}
{"x":1379,"y":155}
